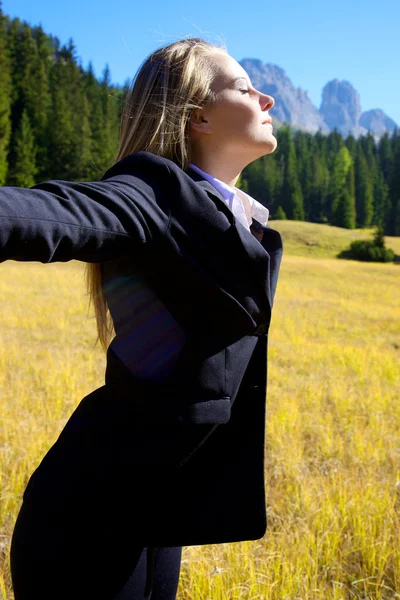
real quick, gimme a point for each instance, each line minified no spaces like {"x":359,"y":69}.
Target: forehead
{"x":226,"y":69}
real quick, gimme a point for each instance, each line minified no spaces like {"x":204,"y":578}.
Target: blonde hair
{"x":172,"y":82}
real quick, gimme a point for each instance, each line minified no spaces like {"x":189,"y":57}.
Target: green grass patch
{"x":323,"y":241}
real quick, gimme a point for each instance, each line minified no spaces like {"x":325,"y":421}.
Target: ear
{"x":199,"y":122}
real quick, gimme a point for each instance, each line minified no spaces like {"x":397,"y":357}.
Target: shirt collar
{"x":258,"y":211}
{"x":227,"y":192}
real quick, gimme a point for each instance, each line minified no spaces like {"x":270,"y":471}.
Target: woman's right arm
{"x":92,"y":221}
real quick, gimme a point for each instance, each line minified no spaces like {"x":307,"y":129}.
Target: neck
{"x":226,"y":170}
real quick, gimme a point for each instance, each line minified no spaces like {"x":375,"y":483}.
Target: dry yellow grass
{"x":333,"y":427}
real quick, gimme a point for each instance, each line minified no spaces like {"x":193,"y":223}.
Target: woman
{"x":170,"y":451}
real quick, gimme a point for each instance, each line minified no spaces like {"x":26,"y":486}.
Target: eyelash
{"x":244,"y":91}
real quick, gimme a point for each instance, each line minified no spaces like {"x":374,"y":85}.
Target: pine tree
{"x":92,"y":92}
{"x":393,"y":221}
{"x":5,"y":99}
{"x":82,"y":151}
{"x":291,"y":196}
{"x":317,"y":202}
{"x":14,"y":31}
{"x":318,"y":194}
{"x":351,"y":145}
{"x":341,"y":166}
{"x":280,"y":214}
{"x":320,"y":145}
{"x":367,"y":143}
{"x":254,"y":175}
{"x":24,"y":61}
{"x":381,"y":200}
{"x":41,"y":112}
{"x":111,"y":107}
{"x":23,"y":55}
{"x":303,"y":143}
{"x":263,"y":180}
{"x":60,"y":129}
{"x":65,"y":115}
{"x":364,"y":191}
{"x":385,"y":154}
{"x":274,"y":181}
{"x":334,"y":143}
{"x":345,"y":214}
{"x":23,"y":171}
{"x":394,"y":227}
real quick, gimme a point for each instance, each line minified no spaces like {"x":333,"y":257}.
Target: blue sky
{"x":314,"y":41}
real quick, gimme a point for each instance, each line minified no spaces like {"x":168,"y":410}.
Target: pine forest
{"x":59,"y":121}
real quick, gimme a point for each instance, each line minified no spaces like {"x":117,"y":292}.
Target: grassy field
{"x":333,"y":426}
{"x":323,"y":241}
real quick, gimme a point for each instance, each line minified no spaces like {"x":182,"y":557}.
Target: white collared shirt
{"x":232,"y":198}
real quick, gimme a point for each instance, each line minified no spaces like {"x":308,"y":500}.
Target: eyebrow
{"x":238,"y":78}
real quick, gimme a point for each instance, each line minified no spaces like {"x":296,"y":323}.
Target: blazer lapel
{"x":255,"y":253}
{"x":259,"y":259}
{"x":213,"y":193}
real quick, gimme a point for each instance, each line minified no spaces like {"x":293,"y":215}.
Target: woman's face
{"x":237,"y":121}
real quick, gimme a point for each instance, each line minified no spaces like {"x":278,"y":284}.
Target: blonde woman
{"x":182,"y":273}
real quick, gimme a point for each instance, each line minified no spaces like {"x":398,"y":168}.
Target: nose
{"x":266,"y":102}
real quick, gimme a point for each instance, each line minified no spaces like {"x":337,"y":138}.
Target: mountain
{"x":376,"y":121}
{"x":340,"y":107}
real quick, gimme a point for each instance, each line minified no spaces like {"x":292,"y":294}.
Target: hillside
{"x":324,"y":241}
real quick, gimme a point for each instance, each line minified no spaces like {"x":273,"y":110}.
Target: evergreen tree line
{"x":329,"y":179}
{"x":58,"y":121}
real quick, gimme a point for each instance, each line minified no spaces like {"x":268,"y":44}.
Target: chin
{"x":272,"y":144}
{"x":267,"y":147}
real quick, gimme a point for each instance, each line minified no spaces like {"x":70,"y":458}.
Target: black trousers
{"x":75,"y":556}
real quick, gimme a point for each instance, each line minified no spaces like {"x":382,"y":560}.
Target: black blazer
{"x":184,"y":446}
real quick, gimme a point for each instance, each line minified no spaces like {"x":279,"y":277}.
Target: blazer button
{"x":262,"y":328}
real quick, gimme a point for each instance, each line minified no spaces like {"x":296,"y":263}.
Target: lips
{"x":267,"y":121}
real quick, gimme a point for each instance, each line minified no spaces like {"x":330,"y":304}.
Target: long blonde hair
{"x":172,"y":82}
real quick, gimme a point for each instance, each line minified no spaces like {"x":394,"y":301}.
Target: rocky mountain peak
{"x":377,"y":122}
{"x":341,"y":108}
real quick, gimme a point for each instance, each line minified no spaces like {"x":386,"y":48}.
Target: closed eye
{"x":244,"y":91}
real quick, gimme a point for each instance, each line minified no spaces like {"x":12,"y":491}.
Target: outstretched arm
{"x":92,"y":222}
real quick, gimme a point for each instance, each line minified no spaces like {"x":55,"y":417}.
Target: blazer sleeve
{"x":92,"y":222}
